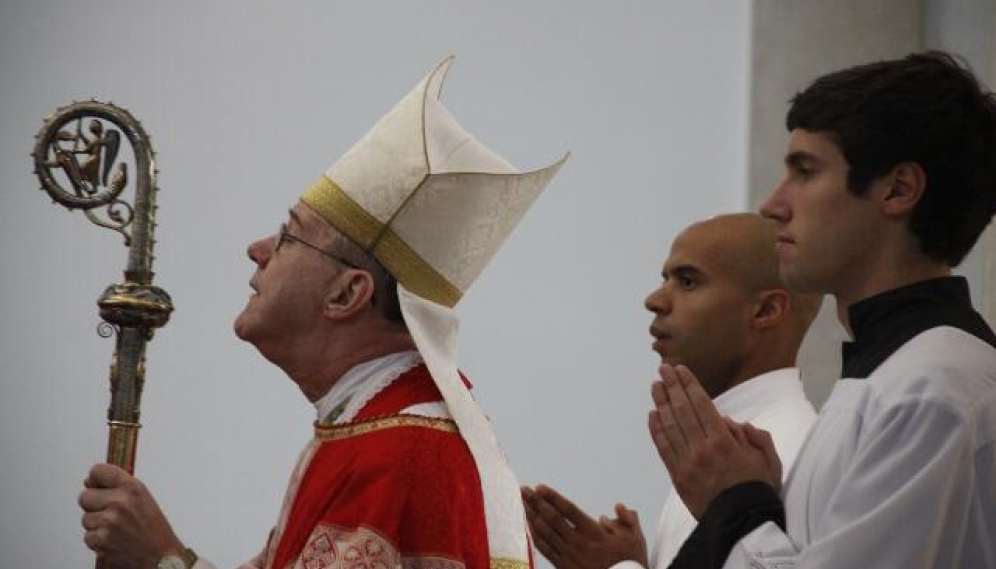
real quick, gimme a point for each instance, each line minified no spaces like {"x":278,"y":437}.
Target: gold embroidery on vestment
{"x":336,"y":432}
{"x":333,"y":547}
{"x":504,"y":563}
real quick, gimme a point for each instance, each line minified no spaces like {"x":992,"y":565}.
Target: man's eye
{"x":686,"y":283}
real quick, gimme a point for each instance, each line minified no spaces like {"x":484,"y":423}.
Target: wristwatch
{"x":183,"y":559}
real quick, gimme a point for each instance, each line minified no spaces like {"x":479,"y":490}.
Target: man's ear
{"x":770,"y":308}
{"x":349,"y":294}
{"x":907,"y":182}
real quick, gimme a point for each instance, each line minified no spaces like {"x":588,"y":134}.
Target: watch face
{"x":172,"y":561}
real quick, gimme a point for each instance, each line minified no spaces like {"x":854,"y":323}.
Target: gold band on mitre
{"x":343,"y":213}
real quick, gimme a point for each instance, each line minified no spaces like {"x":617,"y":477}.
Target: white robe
{"x":899,"y":470}
{"x":773,"y":401}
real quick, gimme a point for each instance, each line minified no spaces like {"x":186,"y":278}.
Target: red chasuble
{"x":387,"y":490}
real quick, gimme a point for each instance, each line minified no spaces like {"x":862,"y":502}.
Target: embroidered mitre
{"x":424,"y":197}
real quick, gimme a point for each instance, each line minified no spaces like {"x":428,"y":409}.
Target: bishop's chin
{"x":242,"y":326}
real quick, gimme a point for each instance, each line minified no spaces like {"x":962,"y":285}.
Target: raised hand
{"x":704,"y":452}
{"x":571,"y":539}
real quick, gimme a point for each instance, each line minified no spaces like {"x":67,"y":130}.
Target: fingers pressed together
{"x":703,"y":451}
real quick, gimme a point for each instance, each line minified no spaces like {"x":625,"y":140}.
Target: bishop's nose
{"x":260,"y":250}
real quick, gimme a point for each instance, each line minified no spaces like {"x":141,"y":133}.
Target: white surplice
{"x":899,"y":470}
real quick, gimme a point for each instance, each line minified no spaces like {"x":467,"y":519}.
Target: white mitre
{"x":433,"y":205}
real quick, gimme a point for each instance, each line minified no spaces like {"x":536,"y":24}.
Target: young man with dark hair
{"x":891,"y":178}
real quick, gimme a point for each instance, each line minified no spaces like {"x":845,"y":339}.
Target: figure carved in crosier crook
{"x":132,"y":309}
{"x":87,"y":177}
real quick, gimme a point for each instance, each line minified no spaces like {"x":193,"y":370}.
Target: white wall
{"x":247,"y":103}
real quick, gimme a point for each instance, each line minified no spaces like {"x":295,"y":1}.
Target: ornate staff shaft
{"x":134,"y":308}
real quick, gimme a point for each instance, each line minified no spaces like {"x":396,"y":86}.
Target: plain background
{"x":247,"y":104}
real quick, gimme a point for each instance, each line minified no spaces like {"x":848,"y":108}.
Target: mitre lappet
{"x":433,"y":205}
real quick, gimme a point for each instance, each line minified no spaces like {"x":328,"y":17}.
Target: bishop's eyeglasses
{"x":285,"y":235}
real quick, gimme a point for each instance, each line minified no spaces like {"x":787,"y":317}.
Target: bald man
{"x":723,"y":312}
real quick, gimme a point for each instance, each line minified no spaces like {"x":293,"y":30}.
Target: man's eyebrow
{"x":800,"y":158}
{"x":293,"y":216}
{"x":683,"y":269}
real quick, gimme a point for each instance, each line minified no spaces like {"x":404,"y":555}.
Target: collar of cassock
{"x":358,"y":386}
{"x":884,"y":322}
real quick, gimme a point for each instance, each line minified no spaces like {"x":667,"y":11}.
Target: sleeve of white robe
{"x":912,"y":495}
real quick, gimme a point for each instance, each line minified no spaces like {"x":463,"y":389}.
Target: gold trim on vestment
{"x":503,"y":563}
{"x":337,"y":432}
{"x":415,"y":273}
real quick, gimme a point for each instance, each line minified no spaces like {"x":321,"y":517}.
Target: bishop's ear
{"x":906,"y":184}
{"x":350,"y":294}
{"x":770,"y":308}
